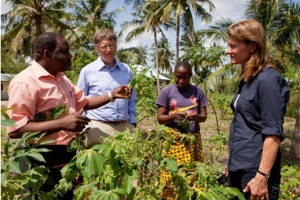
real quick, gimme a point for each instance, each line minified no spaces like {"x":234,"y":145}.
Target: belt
{"x":113,"y":122}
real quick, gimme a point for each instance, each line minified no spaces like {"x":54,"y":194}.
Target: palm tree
{"x":133,"y":55}
{"x":165,"y":56}
{"x":90,"y":16}
{"x":28,"y":19}
{"x":182,"y":12}
{"x":216,"y":32}
{"x":145,"y":21}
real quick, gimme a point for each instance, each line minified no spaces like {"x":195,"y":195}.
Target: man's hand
{"x":122,"y":92}
{"x":73,"y":122}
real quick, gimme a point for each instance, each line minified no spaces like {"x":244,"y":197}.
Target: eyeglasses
{"x":110,"y":46}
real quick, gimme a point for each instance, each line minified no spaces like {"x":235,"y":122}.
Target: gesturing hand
{"x":122,"y":92}
{"x":73,"y":122}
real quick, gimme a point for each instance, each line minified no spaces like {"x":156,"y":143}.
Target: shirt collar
{"x":40,"y":71}
{"x":100,"y":64}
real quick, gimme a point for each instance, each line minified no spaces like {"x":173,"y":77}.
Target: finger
{"x":246,"y":189}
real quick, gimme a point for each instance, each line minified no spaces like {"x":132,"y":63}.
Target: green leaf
{"x":47,"y":141}
{"x":120,"y":191}
{"x":57,"y":111}
{"x":171,"y":164}
{"x":36,"y":156}
{"x":14,"y":166}
{"x":7,"y":122}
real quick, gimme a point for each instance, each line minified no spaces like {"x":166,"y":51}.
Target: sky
{"x":233,"y":9}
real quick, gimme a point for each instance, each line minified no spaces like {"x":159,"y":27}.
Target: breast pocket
{"x":246,"y":102}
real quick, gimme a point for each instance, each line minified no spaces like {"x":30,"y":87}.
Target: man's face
{"x":61,"y":57}
{"x":107,"y":50}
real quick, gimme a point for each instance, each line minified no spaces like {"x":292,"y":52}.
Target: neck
{"x":109,"y":63}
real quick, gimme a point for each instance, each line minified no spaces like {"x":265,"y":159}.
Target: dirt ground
{"x":210,"y":128}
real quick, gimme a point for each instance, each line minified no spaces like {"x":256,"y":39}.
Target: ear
{"x":47,"y":54}
{"x":253,"y":47}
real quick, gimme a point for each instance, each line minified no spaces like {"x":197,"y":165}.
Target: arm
{"x":70,"y":122}
{"x":199,"y":117}
{"x":259,"y":184}
{"x":121,"y":92}
{"x":164,"y":118}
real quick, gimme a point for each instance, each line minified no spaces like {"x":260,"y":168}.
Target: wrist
{"x":110,"y":96}
{"x":266,"y":175}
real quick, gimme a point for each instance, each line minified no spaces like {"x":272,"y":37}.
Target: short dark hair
{"x":44,"y":41}
{"x":184,"y":64}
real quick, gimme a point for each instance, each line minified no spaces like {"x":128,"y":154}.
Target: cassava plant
{"x":128,"y":166}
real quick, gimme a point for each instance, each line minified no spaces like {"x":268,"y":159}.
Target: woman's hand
{"x":258,"y":186}
{"x":180,"y":116}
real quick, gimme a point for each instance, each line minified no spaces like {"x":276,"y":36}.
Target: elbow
{"x":15,"y":135}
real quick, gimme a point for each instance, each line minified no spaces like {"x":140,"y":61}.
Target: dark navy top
{"x":259,"y":107}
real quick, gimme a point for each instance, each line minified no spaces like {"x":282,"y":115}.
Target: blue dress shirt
{"x":96,"y":79}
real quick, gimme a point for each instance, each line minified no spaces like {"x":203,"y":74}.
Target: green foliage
{"x":11,"y":65}
{"x":293,"y":76}
{"x":79,"y":62}
{"x":17,"y":183}
{"x":144,"y":84}
{"x":222,"y":104}
{"x":290,"y":182}
{"x":217,"y":145}
{"x":204,"y":60}
{"x":128,"y":165}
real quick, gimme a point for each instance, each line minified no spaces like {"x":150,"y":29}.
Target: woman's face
{"x":239,"y":51}
{"x":182,"y":77}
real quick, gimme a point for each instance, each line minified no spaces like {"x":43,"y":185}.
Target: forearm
{"x":270,"y":149}
{"x":165,"y":119}
{"x":201,"y":117}
{"x":48,"y":127}
{"x":97,"y":101}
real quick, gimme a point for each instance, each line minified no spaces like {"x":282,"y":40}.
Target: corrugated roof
{"x":6,"y":77}
{"x":150,"y":72}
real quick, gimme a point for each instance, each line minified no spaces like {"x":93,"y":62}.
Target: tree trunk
{"x":156,"y":61}
{"x":177,"y":37}
{"x":295,"y":147}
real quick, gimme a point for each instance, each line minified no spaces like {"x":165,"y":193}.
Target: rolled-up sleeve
{"x":272,"y":93}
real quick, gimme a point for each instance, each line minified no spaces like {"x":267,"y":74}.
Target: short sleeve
{"x":21,"y":111}
{"x":162,"y":99}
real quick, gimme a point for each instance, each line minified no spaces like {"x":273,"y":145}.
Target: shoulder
{"x":124,"y":66}
{"x":168,"y":88}
{"x":270,"y":76}
{"x":90,"y":67}
{"x":26,"y":75}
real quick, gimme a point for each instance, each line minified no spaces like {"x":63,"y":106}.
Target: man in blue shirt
{"x":102,"y":76}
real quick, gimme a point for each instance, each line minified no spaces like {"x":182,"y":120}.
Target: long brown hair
{"x":249,"y":31}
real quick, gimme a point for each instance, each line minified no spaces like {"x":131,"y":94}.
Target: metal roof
{"x":7,"y":77}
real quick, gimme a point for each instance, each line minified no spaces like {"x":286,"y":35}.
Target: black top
{"x":259,"y":107}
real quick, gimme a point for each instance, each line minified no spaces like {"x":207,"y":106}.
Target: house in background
{"x":5,"y":79}
{"x":163,"y":81}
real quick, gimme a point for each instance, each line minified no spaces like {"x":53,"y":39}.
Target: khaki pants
{"x":102,"y":129}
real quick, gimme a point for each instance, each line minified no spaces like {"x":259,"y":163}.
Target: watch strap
{"x":264,"y":174}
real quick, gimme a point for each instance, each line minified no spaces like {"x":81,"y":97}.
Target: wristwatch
{"x":264,"y":174}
